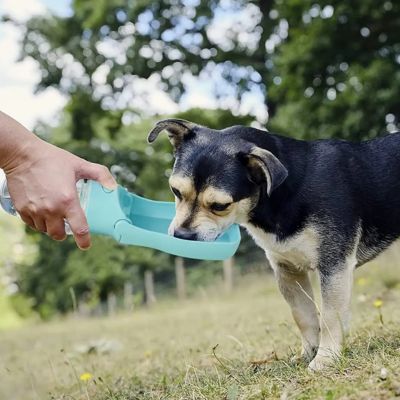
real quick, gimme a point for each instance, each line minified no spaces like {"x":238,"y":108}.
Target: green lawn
{"x":167,"y":352}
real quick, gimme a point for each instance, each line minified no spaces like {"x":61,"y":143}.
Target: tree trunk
{"x":228,"y":274}
{"x":149,"y":287}
{"x":111,"y":304}
{"x":180,"y":278}
{"x":128,"y":296}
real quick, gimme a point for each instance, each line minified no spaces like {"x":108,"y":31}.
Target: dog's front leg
{"x":335,"y":314}
{"x":297,"y":291}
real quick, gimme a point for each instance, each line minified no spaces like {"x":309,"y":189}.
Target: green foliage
{"x":22,"y":305}
{"x":325,"y":69}
{"x":101,"y":50}
{"x":9,"y":316}
{"x":338,"y":70}
{"x":13,"y":249}
{"x":215,"y":119}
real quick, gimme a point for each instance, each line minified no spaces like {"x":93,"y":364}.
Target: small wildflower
{"x":361,"y":281}
{"x":86,"y":376}
{"x":378,"y":303}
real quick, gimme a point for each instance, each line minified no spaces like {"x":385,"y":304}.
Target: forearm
{"x":16,"y":142}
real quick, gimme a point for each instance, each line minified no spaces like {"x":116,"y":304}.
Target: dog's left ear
{"x":264,"y":167}
{"x":177,"y":130}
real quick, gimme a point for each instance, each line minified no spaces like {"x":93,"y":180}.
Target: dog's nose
{"x":186,"y":234}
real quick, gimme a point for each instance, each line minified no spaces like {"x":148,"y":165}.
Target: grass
{"x":214,"y":346}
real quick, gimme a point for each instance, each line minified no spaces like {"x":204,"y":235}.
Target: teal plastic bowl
{"x":134,"y":220}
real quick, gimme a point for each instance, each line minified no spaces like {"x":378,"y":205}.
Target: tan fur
{"x":335,"y":312}
{"x":300,"y":252}
{"x":184,"y":184}
{"x":207,"y":223}
{"x":296,"y":288}
{"x":291,"y":260}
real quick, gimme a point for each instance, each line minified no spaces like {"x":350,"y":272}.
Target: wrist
{"x":17,"y":144}
{"x":20,"y":152}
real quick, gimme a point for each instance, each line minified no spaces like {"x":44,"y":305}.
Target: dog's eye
{"x":219,"y":206}
{"x":176,"y":192}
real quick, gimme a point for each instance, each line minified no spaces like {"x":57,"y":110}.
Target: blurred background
{"x":94,"y":76}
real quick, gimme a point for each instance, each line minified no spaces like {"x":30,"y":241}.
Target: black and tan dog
{"x":325,"y":205}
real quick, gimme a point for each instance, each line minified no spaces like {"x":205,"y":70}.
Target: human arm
{"x":42,"y":181}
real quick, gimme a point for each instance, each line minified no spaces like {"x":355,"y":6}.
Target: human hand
{"x":42,"y":182}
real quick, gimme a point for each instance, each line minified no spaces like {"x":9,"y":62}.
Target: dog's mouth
{"x":195,"y":234}
{"x":209,"y":238}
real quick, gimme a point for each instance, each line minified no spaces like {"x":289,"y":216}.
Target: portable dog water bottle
{"x":134,"y":220}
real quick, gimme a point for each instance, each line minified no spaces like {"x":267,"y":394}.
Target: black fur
{"x":340,"y":186}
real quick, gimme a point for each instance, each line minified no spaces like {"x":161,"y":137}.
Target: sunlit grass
{"x":213,"y":346}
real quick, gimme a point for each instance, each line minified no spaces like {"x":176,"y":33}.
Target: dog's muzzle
{"x":187,"y":234}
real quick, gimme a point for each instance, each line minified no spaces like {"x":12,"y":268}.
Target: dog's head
{"x":217,"y":177}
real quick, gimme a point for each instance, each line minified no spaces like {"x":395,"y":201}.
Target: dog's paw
{"x":305,"y":357}
{"x":320,"y":362}
{"x":308,"y":354}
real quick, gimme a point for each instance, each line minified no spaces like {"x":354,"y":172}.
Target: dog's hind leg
{"x":296,"y":288}
{"x":335,"y":314}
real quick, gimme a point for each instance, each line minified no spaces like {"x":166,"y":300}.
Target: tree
{"x":337,"y":73}
{"x":325,"y":69}
{"x":98,"y":55}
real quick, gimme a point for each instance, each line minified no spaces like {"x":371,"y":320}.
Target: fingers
{"x":99,"y":173}
{"x":54,"y":225}
{"x":55,"y":228}
{"x":79,"y":226}
{"x":40,"y":224}
{"x":28,"y":220}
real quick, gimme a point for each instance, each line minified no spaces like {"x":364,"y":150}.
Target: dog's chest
{"x":299,"y":251}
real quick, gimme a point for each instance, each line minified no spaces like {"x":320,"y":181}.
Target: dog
{"x":324,"y":205}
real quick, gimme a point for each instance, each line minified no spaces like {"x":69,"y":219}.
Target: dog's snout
{"x":186,"y":234}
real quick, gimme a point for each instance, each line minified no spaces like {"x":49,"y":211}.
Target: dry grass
{"x":171,"y":352}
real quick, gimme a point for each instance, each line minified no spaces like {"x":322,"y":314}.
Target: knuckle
{"x":82,"y":231}
{"x":66,"y":199}
{"x":31,"y":209}
{"x":48,"y":209}
{"x":26,"y":208}
{"x":104,"y":171}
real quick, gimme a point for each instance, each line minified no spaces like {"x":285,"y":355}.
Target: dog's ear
{"x":177,"y":130}
{"x":264,"y":167}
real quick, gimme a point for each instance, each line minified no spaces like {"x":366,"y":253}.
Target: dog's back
{"x":353,"y":186}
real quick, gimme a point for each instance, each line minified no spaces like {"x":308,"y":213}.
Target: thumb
{"x":99,"y":173}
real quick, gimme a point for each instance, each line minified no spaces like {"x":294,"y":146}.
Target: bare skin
{"x":41,"y":179}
